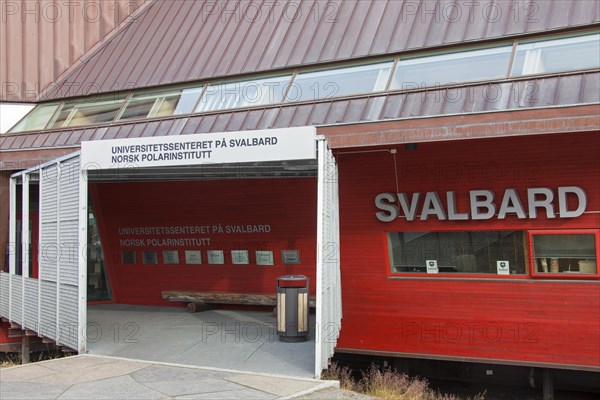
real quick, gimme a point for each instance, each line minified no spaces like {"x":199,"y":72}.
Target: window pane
{"x":457,"y":252}
{"x":243,"y":94}
{"x":442,"y":69}
{"x":37,"y":119}
{"x":565,"y":253}
{"x":312,"y":86}
{"x":87,"y":113}
{"x":161,"y":104}
{"x":557,"y":55}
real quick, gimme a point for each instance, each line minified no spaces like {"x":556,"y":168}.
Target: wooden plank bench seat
{"x":201,"y":301}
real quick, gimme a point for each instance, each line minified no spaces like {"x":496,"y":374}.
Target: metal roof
{"x":185,"y":40}
{"x":541,"y":92}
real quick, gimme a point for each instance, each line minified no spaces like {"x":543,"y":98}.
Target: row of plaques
{"x":171,"y":257}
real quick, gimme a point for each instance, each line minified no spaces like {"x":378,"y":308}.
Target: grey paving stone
{"x":25,"y":373}
{"x":166,"y":373}
{"x":201,"y":386}
{"x":29,"y":391}
{"x":276,"y":386}
{"x":122,"y":387}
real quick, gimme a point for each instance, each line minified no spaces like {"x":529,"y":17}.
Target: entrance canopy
{"x":58,"y":297}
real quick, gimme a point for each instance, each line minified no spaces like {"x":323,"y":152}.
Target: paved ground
{"x":101,"y":377}
{"x":232,"y":339}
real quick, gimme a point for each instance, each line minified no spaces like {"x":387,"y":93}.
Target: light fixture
{"x":410,"y":146}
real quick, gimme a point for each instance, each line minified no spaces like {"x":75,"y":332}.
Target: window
{"x":87,"y":112}
{"x":475,"y":252}
{"x":564,"y":253}
{"x":442,"y":69}
{"x":37,"y":119}
{"x":557,"y":55}
{"x":162,"y":104}
{"x":243,"y":94}
{"x":311,"y":86}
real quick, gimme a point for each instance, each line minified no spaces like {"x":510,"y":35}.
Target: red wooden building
{"x":465,"y":154}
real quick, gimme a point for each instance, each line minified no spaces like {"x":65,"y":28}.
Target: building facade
{"x":465,"y":152}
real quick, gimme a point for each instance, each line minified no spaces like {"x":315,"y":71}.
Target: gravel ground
{"x":336,"y":394}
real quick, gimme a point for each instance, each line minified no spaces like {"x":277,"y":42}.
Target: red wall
{"x":527,"y":319}
{"x":288,"y":206}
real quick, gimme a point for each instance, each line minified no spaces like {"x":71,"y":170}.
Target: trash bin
{"x":292,"y":308}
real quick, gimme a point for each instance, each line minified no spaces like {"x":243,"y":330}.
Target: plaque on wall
{"x":149,"y":257}
{"x":239,"y":257}
{"x":128,"y":257}
{"x":216,"y":257}
{"x":264,"y":257}
{"x":290,"y":256}
{"x":171,"y":256}
{"x":193,"y":257}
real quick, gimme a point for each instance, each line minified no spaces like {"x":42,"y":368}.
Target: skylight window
{"x":557,"y":55}
{"x":442,"y":69}
{"x":314,"y":86}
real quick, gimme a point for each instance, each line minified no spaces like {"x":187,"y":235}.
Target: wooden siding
{"x":513,"y":320}
{"x":287,"y":205}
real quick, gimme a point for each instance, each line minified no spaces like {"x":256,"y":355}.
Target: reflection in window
{"x":243,"y":94}
{"x":457,"y":252}
{"x":88,"y":112}
{"x":450,"y":68}
{"x":312,"y":86}
{"x":564,"y":253}
{"x":37,"y":119}
{"x":150,"y":105}
{"x":557,"y":55}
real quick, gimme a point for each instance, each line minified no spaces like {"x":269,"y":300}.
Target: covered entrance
{"x":224,"y":213}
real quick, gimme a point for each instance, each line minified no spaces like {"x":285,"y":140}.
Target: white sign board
{"x":502,"y":267}
{"x":215,"y":148}
{"x":432,"y":266}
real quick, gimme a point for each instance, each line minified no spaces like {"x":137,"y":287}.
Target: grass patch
{"x":14,"y":359}
{"x":387,"y":384}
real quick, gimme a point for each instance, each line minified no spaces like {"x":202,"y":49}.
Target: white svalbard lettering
{"x":483,"y":205}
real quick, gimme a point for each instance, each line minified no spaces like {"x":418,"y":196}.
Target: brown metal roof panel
{"x":383,"y":35}
{"x":220,"y":123}
{"x":268,"y":118}
{"x":236,"y":120}
{"x":252,"y":120}
{"x":301,"y":27}
{"x":40,"y":138}
{"x":141,"y":48}
{"x":373,"y":108}
{"x":137,"y":130}
{"x":354,"y":31}
{"x":319,"y":113}
{"x":356,"y":109}
{"x":536,"y":15}
{"x":165,"y":49}
{"x":87,"y":135}
{"x":302,"y":115}
{"x":320,"y":46}
{"x":191,"y":125}
{"x":6,"y":142}
{"x":18,"y":142}
{"x":151,"y":129}
{"x":283,"y":117}
{"x":568,"y":89}
{"x":206,"y":123}
{"x":591,"y":88}
{"x":453,"y":100}
{"x":392,"y":106}
{"x":183,"y":52}
{"x":433,"y":102}
{"x":63,"y":139}
{"x":370,"y":31}
{"x":336,"y":112}
{"x":585,"y":11}
{"x":29,"y":139}
{"x":74,"y":137}
{"x":234,"y":28}
{"x":334,"y":16}
{"x":272,"y":34}
{"x":538,"y":92}
{"x":99,"y":133}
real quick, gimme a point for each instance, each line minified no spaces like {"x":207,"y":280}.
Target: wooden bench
{"x":202,"y":301}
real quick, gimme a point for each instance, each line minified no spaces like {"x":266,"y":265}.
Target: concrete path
{"x":102,"y":377}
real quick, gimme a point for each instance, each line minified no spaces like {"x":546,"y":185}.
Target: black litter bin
{"x":292,"y":308}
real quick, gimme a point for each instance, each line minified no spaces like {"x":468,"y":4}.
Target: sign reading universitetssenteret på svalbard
{"x":215,"y":148}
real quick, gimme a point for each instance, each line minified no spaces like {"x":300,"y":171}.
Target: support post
{"x":547,"y":385}
{"x":25,"y":350}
